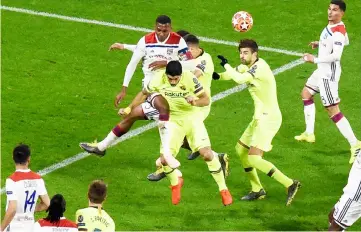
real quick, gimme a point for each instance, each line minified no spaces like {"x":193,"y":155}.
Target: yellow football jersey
{"x":188,"y":85}
{"x":91,"y":219}
{"x":205,"y":64}
{"x":261,"y":85}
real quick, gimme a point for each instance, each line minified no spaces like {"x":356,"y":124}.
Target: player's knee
{"x":332,"y":110}
{"x":305,"y":94}
{"x":206,"y":153}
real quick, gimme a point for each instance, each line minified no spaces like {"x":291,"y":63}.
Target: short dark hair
{"x":56,"y":208}
{"x":97,"y":191}
{"x":191,"y":39}
{"x":339,"y":3}
{"x":248,"y":43}
{"x":163,"y":19}
{"x":182,"y":33}
{"x":174,"y":68}
{"x":21,"y":154}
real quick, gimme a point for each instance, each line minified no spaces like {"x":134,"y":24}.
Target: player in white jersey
{"x":23,"y":188}
{"x":55,"y":220}
{"x":325,"y":78}
{"x":348,"y":209}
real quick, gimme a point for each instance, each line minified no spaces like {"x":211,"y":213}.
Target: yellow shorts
{"x":195,"y":132}
{"x":204,"y":112}
{"x":260,"y":133}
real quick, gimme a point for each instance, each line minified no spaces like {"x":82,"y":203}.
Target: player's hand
{"x":124,"y":111}
{"x":215,"y":76}
{"x":158,"y":65}
{"x":116,"y":46}
{"x":191,"y":100}
{"x":314,"y":44}
{"x":120,"y":96}
{"x":309,"y":58}
{"x":224,"y":61}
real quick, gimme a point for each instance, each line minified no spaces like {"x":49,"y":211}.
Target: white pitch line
{"x":151,"y":125}
{"x":132,"y":28}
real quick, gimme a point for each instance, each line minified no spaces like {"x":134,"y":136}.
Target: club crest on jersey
{"x":182,"y":87}
{"x":169,"y":51}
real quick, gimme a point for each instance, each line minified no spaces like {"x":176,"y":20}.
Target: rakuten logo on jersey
{"x":175,"y":95}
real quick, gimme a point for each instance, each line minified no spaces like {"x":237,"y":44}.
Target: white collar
{"x":156,"y":37}
{"x":22,"y":170}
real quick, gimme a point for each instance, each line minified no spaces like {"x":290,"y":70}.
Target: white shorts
{"x":20,"y":227}
{"x":327,"y":88}
{"x":348,"y":208}
{"x":149,"y":111}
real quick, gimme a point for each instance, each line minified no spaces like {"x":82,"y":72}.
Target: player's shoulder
{"x":18,"y":176}
{"x":150,"y":38}
{"x":174,"y":38}
{"x":261,"y":64}
{"x":341,"y":28}
{"x":67,"y":223}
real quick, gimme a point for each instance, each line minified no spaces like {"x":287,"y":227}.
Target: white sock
{"x":164,"y":134}
{"x":345,"y":128}
{"x":310,"y":113}
{"x":105,"y":143}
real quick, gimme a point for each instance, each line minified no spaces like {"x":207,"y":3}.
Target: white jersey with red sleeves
{"x":150,"y":49}
{"x":24,"y":187}
{"x":64,"y":225}
{"x":332,"y":41}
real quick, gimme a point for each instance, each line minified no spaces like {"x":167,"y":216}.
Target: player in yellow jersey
{"x":94,"y":218}
{"x":266,"y":122}
{"x":184,"y":93}
{"x":204,"y":70}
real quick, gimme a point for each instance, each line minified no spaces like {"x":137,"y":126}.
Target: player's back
{"x":63,"y":225}
{"x":205,"y":63}
{"x":263,"y":90}
{"x":93,"y":219}
{"x":25,"y":187}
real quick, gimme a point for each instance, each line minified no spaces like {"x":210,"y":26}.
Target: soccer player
{"x":155,"y":49}
{"x":203,"y":72}
{"x":55,"y":221}
{"x":325,"y":78}
{"x":94,"y":218}
{"x":348,"y":209}
{"x":23,"y":188}
{"x":184,"y":93}
{"x":266,"y":122}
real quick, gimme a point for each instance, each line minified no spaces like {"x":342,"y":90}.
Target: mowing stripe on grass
{"x":151,"y":125}
{"x":133,"y":28}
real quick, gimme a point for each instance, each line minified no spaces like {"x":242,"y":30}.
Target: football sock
{"x":164,"y":133}
{"x":310,"y":112}
{"x":251,"y":172}
{"x":268,"y":168}
{"x":345,"y":128}
{"x":214,"y":167}
{"x":171,"y":175}
{"x":111,"y":137}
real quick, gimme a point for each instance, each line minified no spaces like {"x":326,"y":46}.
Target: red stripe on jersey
{"x":174,"y":38}
{"x":18,"y":176}
{"x":339,"y":28}
{"x":150,"y":38}
{"x":62,"y":223}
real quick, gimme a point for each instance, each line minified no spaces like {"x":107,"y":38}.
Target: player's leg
{"x":333,"y":226}
{"x":331,"y":100}
{"x":120,"y":129}
{"x":309,"y":90}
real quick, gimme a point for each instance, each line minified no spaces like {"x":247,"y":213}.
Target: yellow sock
{"x":251,"y":172}
{"x":214,"y":167}
{"x":171,"y":175}
{"x":268,"y":168}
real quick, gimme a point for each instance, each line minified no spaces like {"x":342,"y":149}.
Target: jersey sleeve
{"x":183,"y":51}
{"x":240,"y":78}
{"x":155,"y":84}
{"x":338,"y":43}
{"x":130,"y":47}
{"x":80,"y":221}
{"x":10,"y":190}
{"x":41,"y":188}
{"x":227,"y":75}
{"x":138,"y":54}
{"x":194,"y":85}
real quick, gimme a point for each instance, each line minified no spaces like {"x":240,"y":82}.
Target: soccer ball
{"x":242,"y":21}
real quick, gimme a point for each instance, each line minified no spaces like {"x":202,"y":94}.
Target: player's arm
{"x":240,"y":78}
{"x":80,"y":221}
{"x":44,"y":198}
{"x":337,"y":48}
{"x":12,"y":199}
{"x":120,"y":46}
{"x":202,"y":99}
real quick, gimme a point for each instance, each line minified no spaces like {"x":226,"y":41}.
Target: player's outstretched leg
{"x":215,"y":169}
{"x":159,"y":173}
{"x":310,"y":113}
{"x":176,"y":181}
{"x":345,"y":128}
{"x":257,"y":191}
{"x":256,"y":161}
{"x":120,"y":129}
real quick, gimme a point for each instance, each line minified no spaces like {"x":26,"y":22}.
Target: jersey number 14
{"x":29,"y":200}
